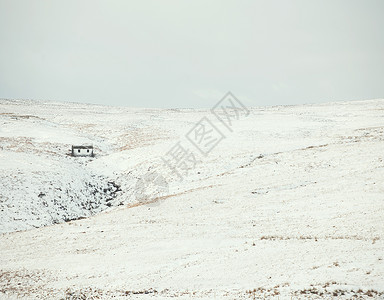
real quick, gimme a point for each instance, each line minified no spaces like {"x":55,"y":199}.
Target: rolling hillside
{"x":288,"y":203}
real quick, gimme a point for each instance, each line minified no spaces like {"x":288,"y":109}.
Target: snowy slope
{"x":288,"y":204}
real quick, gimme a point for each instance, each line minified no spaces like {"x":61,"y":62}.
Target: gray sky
{"x":175,"y":53}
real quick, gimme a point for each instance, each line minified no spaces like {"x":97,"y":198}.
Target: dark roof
{"x":82,"y":147}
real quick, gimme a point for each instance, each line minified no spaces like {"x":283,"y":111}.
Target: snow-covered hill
{"x":290,"y":202}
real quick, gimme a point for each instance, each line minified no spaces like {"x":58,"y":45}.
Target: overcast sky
{"x":175,"y":53}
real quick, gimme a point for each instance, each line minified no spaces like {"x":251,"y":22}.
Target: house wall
{"x":83,"y":152}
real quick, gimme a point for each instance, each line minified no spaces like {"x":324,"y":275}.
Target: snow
{"x":289,"y":204}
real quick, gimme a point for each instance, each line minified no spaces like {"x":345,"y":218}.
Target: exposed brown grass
{"x":316,"y":238}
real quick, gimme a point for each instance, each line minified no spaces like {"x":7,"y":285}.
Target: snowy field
{"x":288,"y":205}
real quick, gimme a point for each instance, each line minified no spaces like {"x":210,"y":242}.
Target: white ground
{"x":289,"y":204}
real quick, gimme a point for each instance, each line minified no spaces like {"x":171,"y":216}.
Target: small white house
{"x":82,"y":150}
